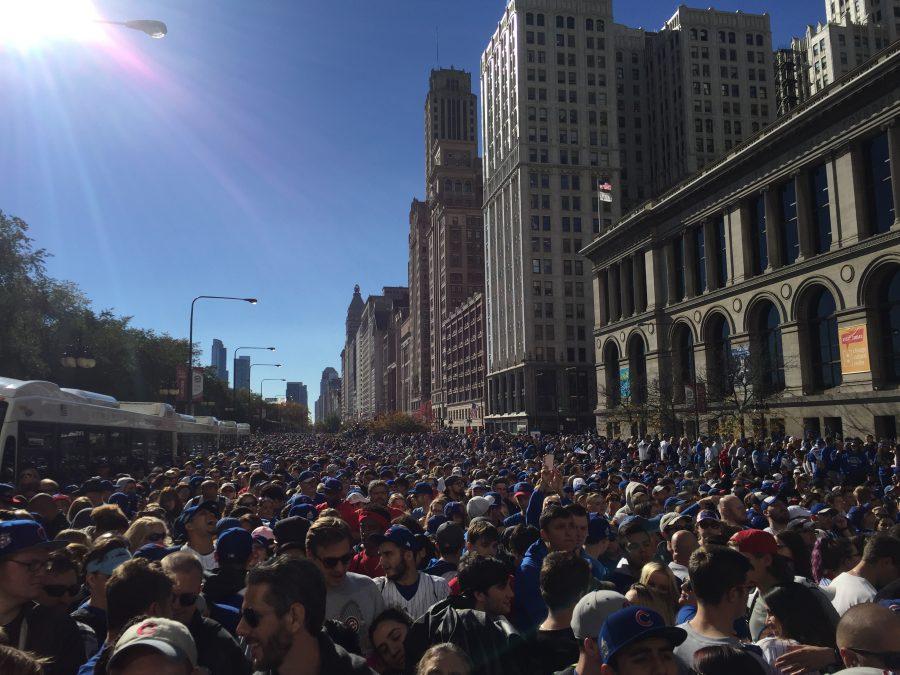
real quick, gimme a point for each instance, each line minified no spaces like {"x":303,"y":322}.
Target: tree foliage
{"x":42,"y":317}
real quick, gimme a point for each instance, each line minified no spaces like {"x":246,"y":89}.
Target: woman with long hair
{"x":794,"y":616}
{"x":171,"y":503}
{"x":663,"y":584}
{"x":718,"y":659}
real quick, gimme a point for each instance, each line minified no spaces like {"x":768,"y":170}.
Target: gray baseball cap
{"x":592,"y":610}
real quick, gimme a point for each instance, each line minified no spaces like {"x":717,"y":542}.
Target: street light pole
{"x":190,"y":370}
{"x":250,"y":377}
{"x":235,"y":362}
{"x":262,"y":405}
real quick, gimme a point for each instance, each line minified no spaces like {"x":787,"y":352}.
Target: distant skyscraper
{"x":242,"y":373}
{"x":328,"y":404}
{"x":219,"y":359}
{"x":296,"y":392}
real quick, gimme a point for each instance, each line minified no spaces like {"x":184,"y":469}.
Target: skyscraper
{"x":328,"y":403}
{"x":219,"y":360}
{"x":295,"y":392}
{"x":242,"y":373}
{"x":349,"y":359}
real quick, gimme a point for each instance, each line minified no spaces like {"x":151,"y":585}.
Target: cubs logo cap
{"x":633,"y":624}
{"x":19,"y":535}
{"x":169,"y":638}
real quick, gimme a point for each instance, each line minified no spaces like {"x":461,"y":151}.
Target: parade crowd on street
{"x":441,"y":553}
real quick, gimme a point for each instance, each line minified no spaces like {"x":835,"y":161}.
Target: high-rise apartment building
{"x":242,"y":373}
{"x":219,"y":360}
{"x":296,"y":392}
{"x":328,"y":402}
{"x":450,"y":113}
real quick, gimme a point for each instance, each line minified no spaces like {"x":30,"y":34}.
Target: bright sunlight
{"x":30,"y":23}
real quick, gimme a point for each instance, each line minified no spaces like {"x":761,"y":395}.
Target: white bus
{"x":66,"y":434}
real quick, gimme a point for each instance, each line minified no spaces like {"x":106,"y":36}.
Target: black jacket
{"x":335,"y":660}
{"x":217,"y":650}
{"x":492,"y":644}
{"x":224,"y":585}
{"x":50,"y":634}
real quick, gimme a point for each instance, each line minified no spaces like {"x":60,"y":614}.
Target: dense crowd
{"x":441,"y":553}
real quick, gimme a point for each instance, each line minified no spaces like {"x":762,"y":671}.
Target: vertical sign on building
{"x":197,"y":385}
{"x":624,"y":382}
{"x":854,"y":346}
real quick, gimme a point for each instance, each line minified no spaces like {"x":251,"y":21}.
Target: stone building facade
{"x":463,"y":364}
{"x":775,"y":270}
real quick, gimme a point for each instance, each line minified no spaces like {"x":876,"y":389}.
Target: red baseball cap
{"x":755,"y":542}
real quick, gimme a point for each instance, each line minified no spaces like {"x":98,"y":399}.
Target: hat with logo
{"x":332,"y":485}
{"x":593,"y":609}
{"x":169,"y":638}
{"x":290,"y":533}
{"x":754,"y":542}
{"x":704,"y":516}
{"x":599,"y":529}
{"x":18,"y":535}
{"x":234,"y":545}
{"x":8,"y":494}
{"x":401,"y":536}
{"x":634,"y":624}
{"x":670,"y":519}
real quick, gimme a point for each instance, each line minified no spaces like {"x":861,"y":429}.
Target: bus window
{"x":74,"y":457}
{"x":8,"y":466}
{"x":37,"y":447}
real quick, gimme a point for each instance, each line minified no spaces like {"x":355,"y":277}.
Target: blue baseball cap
{"x":333,"y":485}
{"x":18,"y":535}
{"x":423,"y":488}
{"x":453,"y":507}
{"x":226,"y":524}
{"x":155,"y":552}
{"x":234,"y":545}
{"x":435,"y":522}
{"x":305,"y":476}
{"x":401,"y":536}
{"x":8,"y":494}
{"x":633,"y":624}
{"x":672,"y":502}
{"x":307,"y":511}
{"x":599,"y":528}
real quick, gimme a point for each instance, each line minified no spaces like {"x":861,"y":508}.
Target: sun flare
{"x":31,"y":23}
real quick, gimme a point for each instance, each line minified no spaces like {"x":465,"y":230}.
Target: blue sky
{"x":264,"y":148}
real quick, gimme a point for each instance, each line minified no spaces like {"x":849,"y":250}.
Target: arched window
{"x":613,"y":383}
{"x":767,"y":357}
{"x":822,"y":333}
{"x":718,"y":355}
{"x":637,"y":370}
{"x":887,"y":307}
{"x":683,"y":360}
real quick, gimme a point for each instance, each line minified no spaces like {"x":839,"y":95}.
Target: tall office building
{"x":419,"y":299}
{"x":711,"y":86}
{"x":550,"y":132}
{"x":854,"y":30}
{"x":296,"y":392}
{"x":791,"y":77}
{"x":328,"y":402}
{"x":242,"y":373}
{"x":456,"y":232}
{"x":219,"y":360}
{"x":349,"y":360}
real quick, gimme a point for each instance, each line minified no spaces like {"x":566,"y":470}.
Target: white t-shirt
{"x":849,"y":590}
{"x":208,"y":561}
{"x":643,"y":451}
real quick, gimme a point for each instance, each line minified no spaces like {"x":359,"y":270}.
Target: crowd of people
{"x":440,"y":553}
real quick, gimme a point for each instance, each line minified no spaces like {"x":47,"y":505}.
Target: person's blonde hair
{"x":16,"y":662}
{"x":138,"y":530}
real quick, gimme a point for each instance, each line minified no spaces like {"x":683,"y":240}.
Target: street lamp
{"x":271,"y":349}
{"x":262,"y":404}
{"x":250,"y":378}
{"x":190,"y":370}
{"x":155,"y":29}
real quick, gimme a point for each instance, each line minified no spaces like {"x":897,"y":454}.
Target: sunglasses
{"x":185,"y":599}
{"x":59,"y":590}
{"x":156,"y":536}
{"x":331,"y":563}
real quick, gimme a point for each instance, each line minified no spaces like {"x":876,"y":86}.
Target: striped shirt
{"x":431,"y":590}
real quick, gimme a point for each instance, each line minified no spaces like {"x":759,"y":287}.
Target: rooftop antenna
{"x":437,"y":47}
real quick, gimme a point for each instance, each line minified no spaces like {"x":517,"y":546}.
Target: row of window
{"x":729,"y":37}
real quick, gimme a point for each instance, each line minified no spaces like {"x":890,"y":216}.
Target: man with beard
{"x":455,"y":488}
{"x":402,"y":584}
{"x":352,"y":599}
{"x":777,"y":514}
{"x":282,"y":618}
{"x":639,"y":547}
{"x":732,"y":511}
{"x":485,"y":582}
